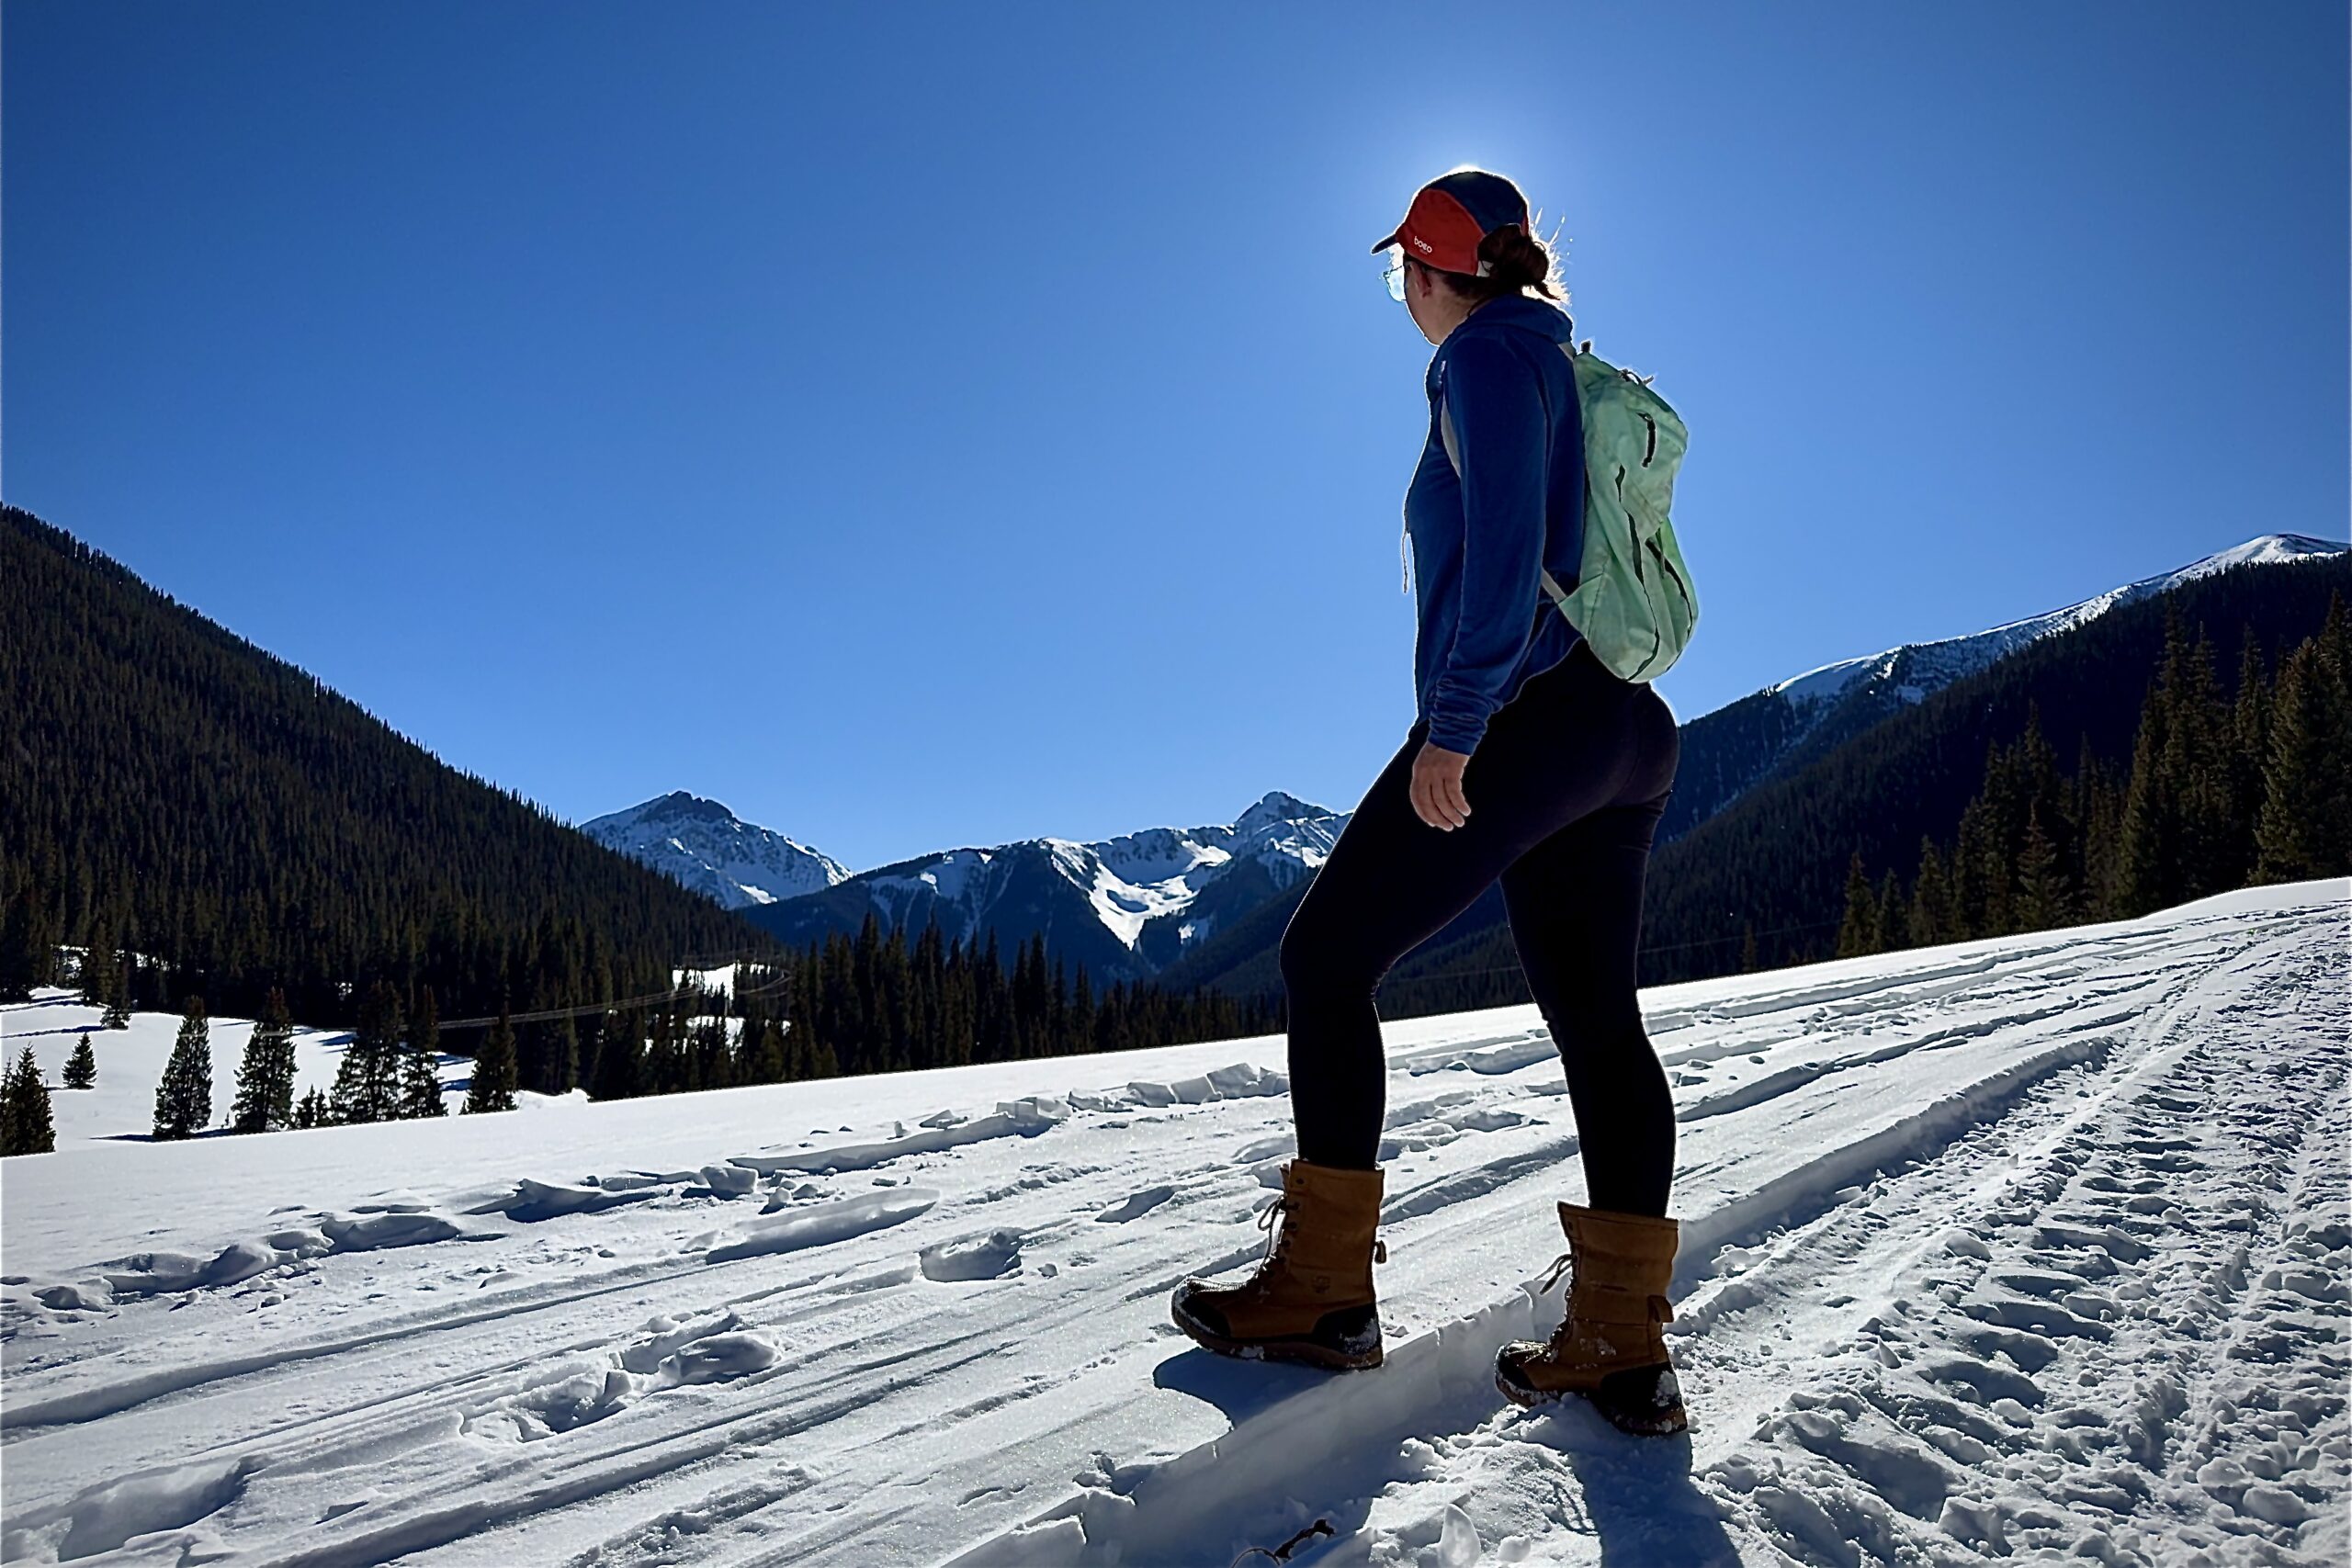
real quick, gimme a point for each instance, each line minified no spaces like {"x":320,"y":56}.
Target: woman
{"x":1530,"y":761}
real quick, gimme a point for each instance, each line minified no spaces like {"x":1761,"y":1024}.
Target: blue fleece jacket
{"x":1486,"y":625}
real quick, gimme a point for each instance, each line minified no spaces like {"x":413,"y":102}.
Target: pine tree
{"x":183,"y":1097}
{"x":1081,"y":1013}
{"x":561,"y":1060}
{"x":2044,"y":898}
{"x":2333,"y":650}
{"x":618,"y":1048}
{"x":2196,"y":764}
{"x":772,"y":1059}
{"x":1930,"y":921}
{"x":2100,"y":809}
{"x":106,"y":976}
{"x":2000,"y":809}
{"x":2146,"y":836}
{"x":548,"y":1052}
{"x":1894,"y":914}
{"x":265,"y":1073}
{"x":97,"y":960}
{"x":2249,"y":743}
{"x":82,"y":1067}
{"x":27,"y":945}
{"x":2296,"y":839}
{"x":1858,"y":933}
{"x":25,"y":1124}
{"x":493,"y":1088}
{"x":1747,"y":959}
{"x":367,"y":1081}
{"x":420,"y":1093}
{"x":314,"y":1111}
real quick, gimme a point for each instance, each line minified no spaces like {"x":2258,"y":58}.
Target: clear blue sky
{"x":918,"y":427}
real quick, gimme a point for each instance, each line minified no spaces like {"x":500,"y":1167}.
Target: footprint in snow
{"x":665,"y":1354}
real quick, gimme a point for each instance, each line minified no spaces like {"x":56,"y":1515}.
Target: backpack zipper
{"x":1668,"y":567}
{"x":1633,"y":529}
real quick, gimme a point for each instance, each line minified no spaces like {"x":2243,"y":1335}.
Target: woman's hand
{"x":1437,"y":786}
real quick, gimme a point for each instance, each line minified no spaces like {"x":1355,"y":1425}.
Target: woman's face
{"x":1427,"y":302}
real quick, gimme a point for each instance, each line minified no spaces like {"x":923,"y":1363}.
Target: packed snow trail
{"x":2033,"y":1242}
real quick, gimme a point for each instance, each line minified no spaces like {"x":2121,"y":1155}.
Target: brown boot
{"x":1311,"y":1299}
{"x":1609,"y":1346}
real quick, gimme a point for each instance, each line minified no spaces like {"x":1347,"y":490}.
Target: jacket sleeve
{"x":1501,"y":445}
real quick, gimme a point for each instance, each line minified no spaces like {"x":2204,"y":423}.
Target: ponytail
{"x":1517,"y":262}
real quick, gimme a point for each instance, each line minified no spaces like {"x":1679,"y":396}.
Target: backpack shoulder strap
{"x":1453,"y":455}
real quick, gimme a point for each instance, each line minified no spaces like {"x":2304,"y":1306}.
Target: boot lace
{"x":1270,"y":1220}
{"x":1560,"y":1266}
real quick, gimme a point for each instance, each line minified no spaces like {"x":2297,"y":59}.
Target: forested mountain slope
{"x":173,"y":790}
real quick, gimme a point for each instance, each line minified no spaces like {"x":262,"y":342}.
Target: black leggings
{"x":1566,"y":790}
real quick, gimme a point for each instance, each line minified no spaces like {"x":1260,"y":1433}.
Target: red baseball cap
{"x":1452,"y":213}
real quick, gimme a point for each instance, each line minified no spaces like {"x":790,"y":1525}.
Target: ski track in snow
{"x":2031,"y":1247}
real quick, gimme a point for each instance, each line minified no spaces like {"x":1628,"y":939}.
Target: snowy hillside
{"x":702,"y":844}
{"x":2030,"y":1245}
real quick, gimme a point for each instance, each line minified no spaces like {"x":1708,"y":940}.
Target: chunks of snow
{"x":974,"y":1257}
{"x":822,"y":1224}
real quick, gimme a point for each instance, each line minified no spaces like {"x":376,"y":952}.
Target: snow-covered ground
{"x":2033,"y":1246}
{"x":122,"y":1105}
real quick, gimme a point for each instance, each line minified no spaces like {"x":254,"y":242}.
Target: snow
{"x":1122,"y":905}
{"x":1830,"y":680}
{"x":2030,"y":1246}
{"x":951,"y":874}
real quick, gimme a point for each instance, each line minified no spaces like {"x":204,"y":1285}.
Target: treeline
{"x":881,"y":1005}
{"x":872,"y":1004}
{"x":220,"y":825}
{"x":2224,"y":789}
{"x":876,"y":1003}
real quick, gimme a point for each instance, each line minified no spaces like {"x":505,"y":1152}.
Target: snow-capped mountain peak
{"x":701,"y":843}
{"x":1931,"y":665}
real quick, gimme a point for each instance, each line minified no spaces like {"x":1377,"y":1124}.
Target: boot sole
{"x":1307,"y":1352}
{"x":1665,"y":1424}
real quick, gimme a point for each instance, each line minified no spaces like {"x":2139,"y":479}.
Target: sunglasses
{"x":1394,"y":276}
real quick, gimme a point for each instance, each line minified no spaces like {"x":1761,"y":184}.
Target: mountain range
{"x":1132,"y":906}
{"x":1125,"y":906}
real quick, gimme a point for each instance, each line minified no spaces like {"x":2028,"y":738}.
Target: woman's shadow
{"x":1638,"y":1492}
{"x":1644,"y":1509}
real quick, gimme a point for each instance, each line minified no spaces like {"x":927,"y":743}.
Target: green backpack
{"x":1634,"y":601}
